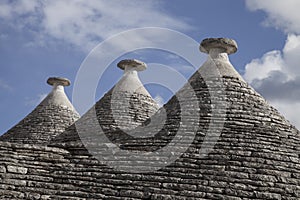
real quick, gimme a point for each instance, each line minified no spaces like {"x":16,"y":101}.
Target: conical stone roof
{"x":126,"y":106}
{"x":51,"y":117}
{"x":241,"y":147}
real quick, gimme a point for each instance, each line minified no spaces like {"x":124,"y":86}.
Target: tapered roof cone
{"x":51,"y":117}
{"x":221,"y":140}
{"x":126,"y":106}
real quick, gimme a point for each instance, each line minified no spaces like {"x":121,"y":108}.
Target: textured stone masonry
{"x":41,"y":125}
{"x":141,"y":108}
{"x":255,"y":157}
{"x":50,"y":118}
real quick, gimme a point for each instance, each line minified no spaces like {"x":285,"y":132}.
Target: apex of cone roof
{"x":220,"y":140}
{"x":130,"y":81}
{"x":218,"y":63}
{"x":51,"y":117}
{"x":58,"y":81}
{"x":132,"y":64}
{"x":126,"y":106}
{"x":227,"y":45}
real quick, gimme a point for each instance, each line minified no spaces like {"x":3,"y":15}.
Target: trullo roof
{"x":51,"y":117}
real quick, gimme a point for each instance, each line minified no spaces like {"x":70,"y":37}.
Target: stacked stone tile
{"x":126,"y":106}
{"x":255,"y":155}
{"x":50,"y":118}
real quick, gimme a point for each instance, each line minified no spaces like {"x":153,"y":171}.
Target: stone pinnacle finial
{"x":229,"y":46}
{"x":58,"y":81}
{"x":132,"y":63}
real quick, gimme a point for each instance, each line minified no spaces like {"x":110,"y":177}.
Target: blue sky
{"x":39,"y":39}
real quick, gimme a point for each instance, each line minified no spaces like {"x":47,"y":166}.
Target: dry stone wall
{"x":141,"y":108}
{"x":41,"y":125}
{"x":256,"y":155}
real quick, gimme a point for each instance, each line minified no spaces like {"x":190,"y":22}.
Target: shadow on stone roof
{"x":221,"y":138}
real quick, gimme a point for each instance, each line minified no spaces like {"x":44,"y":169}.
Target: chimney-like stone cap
{"x":138,"y":65}
{"x":58,"y":81}
{"x":228,"y":45}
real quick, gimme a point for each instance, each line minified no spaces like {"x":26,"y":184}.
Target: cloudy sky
{"x":40,"y":38}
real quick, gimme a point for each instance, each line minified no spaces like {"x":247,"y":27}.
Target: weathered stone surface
{"x":255,"y":157}
{"x":41,"y":125}
{"x":228,"y":45}
{"x":136,"y":64}
{"x":58,"y":81}
{"x":126,"y":106}
{"x":2,"y":169}
{"x":18,"y":170}
{"x":50,"y":118}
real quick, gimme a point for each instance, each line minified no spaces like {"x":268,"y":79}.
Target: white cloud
{"x":286,"y":61}
{"x":282,"y":14}
{"x":85,"y":23}
{"x":261,"y":68}
{"x":276,"y":75}
{"x":10,"y":9}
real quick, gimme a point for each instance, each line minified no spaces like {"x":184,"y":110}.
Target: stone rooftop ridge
{"x":132,"y":63}
{"x":130,"y":81}
{"x":256,"y":154}
{"x":227,"y":45}
{"x":51,"y":117}
{"x":218,"y":63}
{"x":58,"y":81}
{"x":126,"y":106}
